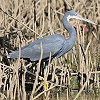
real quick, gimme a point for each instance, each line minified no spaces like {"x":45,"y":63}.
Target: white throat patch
{"x":71,"y":17}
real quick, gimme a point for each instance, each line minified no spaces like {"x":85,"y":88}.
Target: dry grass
{"x":23,"y":21}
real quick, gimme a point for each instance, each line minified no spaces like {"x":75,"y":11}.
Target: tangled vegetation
{"x":23,"y":21}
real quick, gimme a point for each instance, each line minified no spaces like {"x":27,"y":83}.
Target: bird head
{"x":72,"y":18}
{"x":74,"y":15}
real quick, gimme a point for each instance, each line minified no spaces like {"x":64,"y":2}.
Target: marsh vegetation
{"x":70,"y":77}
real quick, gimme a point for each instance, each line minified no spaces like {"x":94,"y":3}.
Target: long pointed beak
{"x":84,"y":19}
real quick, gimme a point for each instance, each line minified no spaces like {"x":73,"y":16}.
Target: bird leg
{"x":42,"y":67}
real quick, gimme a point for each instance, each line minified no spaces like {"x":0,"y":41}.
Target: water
{"x":64,"y":95}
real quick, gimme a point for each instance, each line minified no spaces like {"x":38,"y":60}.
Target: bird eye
{"x":71,"y":19}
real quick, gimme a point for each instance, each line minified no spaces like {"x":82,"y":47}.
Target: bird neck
{"x":70,"y":29}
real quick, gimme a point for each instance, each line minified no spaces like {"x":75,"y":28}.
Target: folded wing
{"x":50,"y":44}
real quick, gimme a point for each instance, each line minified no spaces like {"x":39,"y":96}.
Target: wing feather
{"x":50,"y":44}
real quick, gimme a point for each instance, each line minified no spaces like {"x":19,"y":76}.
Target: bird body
{"x":33,"y":49}
{"x":55,"y":44}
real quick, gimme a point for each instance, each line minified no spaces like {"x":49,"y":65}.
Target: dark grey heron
{"x":55,"y":44}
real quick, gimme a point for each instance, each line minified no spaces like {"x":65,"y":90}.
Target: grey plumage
{"x":55,"y":44}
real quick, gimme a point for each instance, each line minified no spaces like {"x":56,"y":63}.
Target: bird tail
{"x":14,"y":54}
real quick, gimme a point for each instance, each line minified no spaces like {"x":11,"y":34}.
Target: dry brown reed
{"x":23,"y":21}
